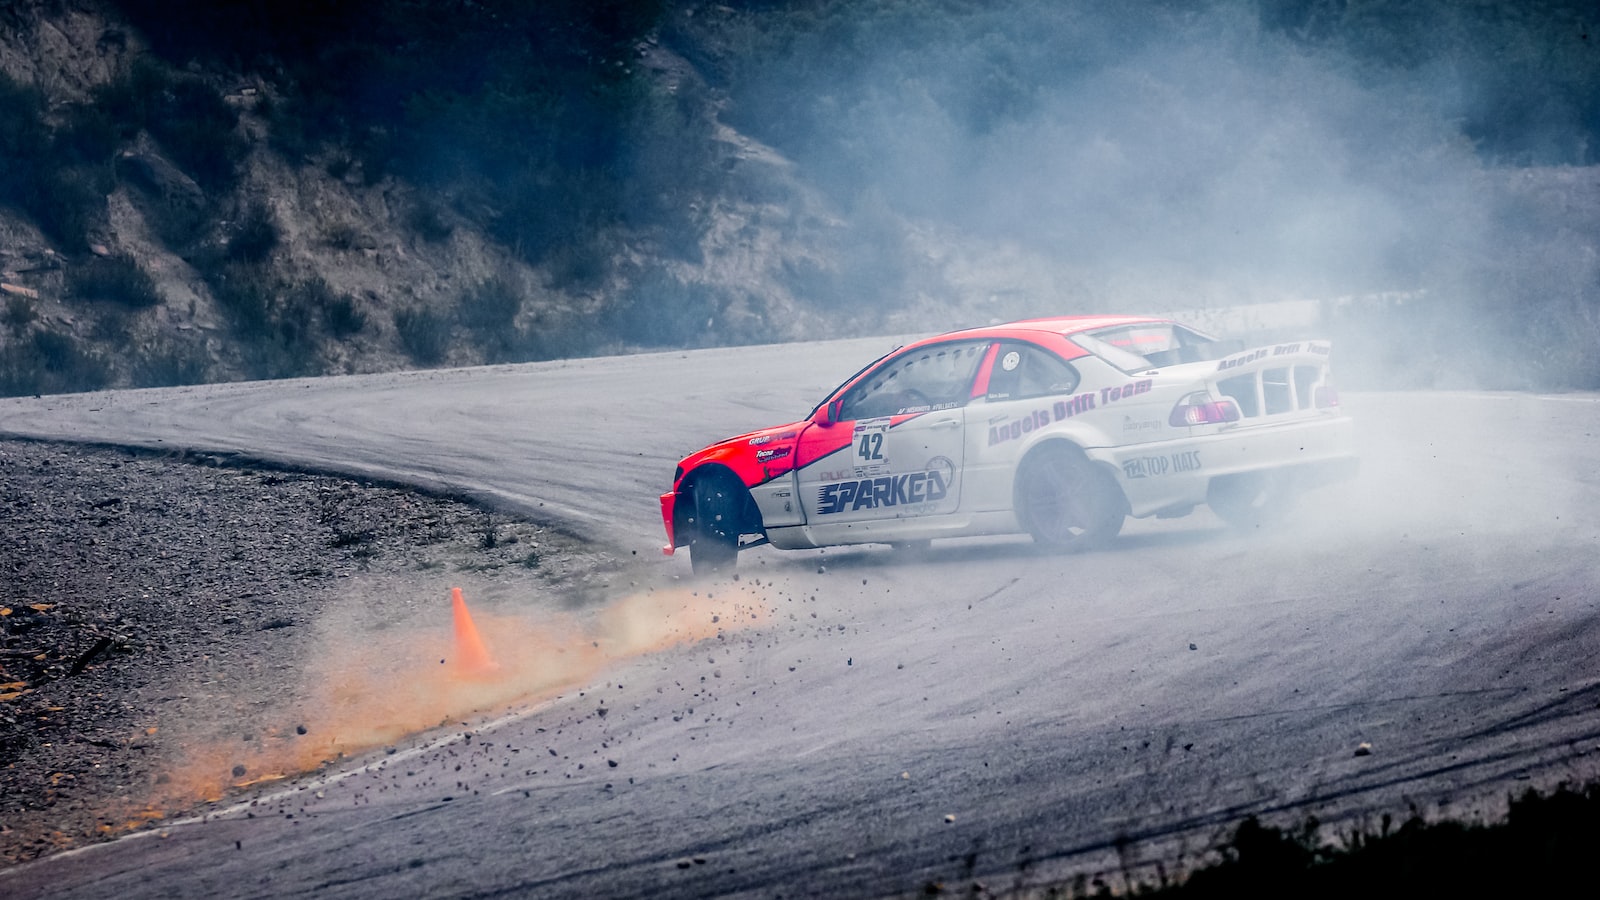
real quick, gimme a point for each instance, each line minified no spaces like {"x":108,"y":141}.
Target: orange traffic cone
{"x":472,"y":657}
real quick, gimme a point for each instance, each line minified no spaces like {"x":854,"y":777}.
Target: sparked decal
{"x":1157,"y":466}
{"x":881,"y":492}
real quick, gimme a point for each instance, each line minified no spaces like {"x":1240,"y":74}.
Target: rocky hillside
{"x":144,"y":262}
{"x":193,"y":191}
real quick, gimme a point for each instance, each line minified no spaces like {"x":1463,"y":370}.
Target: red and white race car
{"x":1055,"y":427}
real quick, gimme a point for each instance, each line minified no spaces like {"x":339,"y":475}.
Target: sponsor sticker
{"x":1157,"y":466}
{"x":882,"y":492}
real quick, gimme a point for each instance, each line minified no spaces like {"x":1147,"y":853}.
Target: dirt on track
{"x":159,"y":610}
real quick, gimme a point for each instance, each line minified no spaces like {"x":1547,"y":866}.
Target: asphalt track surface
{"x":989,"y":713}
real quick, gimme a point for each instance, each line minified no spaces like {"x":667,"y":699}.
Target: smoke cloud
{"x":1162,"y":156}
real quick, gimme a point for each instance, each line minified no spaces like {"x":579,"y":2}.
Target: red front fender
{"x":669,"y":500}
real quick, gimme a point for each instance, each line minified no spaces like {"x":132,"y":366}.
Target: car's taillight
{"x":1325,"y":397}
{"x":1200,"y":408}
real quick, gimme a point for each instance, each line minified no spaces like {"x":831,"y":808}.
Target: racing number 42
{"x":871,"y":446}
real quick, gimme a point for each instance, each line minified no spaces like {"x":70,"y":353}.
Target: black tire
{"x":1252,"y":500}
{"x":713,"y":527}
{"x":1065,"y":501}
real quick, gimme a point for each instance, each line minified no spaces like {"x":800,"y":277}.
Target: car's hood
{"x":756,"y":456}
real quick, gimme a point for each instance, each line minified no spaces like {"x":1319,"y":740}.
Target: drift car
{"x":1059,"y":427}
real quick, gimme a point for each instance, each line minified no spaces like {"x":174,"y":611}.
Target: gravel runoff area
{"x":155,"y":602}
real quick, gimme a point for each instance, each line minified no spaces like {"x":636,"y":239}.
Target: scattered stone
{"x":950,"y":819}
{"x":1363,"y":749}
{"x":238,"y":771}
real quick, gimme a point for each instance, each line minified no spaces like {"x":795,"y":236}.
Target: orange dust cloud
{"x":369,"y":689}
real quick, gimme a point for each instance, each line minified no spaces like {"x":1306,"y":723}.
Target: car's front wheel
{"x":714,"y":532}
{"x":1066,"y":501}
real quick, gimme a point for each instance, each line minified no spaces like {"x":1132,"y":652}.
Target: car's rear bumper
{"x":1172,"y":474}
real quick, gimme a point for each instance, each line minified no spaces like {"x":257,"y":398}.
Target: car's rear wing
{"x":1277,"y":379}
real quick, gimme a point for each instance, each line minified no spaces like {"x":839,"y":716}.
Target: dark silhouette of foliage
{"x":254,"y":236}
{"x":166,"y":363}
{"x":114,"y":279}
{"x":49,"y":362}
{"x":424,"y":334}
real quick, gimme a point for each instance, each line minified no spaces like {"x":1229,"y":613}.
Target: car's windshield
{"x":853,"y":376}
{"x":936,"y":376}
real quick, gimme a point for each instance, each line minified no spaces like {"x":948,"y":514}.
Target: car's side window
{"x":1024,"y":370}
{"x":922,"y":380}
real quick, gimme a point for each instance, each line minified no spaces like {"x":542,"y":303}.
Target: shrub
{"x":35,"y":178}
{"x":425,"y":219}
{"x":19,"y":313}
{"x":50,"y":363}
{"x":166,"y":364}
{"x":134,"y":99}
{"x":255,"y":235}
{"x":89,"y":136}
{"x":244,"y":295}
{"x":341,"y":236}
{"x":112,"y":279}
{"x":424,"y":334}
{"x":24,"y":140}
{"x":198,"y":129}
{"x":490,"y":309}
{"x":342,"y":317}
{"x":659,"y":310}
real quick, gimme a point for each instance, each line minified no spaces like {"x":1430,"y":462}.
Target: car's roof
{"x":1062,"y":325}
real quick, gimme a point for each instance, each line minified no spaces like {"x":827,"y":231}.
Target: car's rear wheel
{"x":1066,"y":501}
{"x":714,"y":529}
{"x":1252,"y":500}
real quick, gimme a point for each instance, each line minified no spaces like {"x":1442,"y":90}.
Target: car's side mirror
{"x":828,"y":413}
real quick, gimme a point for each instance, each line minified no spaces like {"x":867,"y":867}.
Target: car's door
{"x":1023,"y":388}
{"x":906,"y":423}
